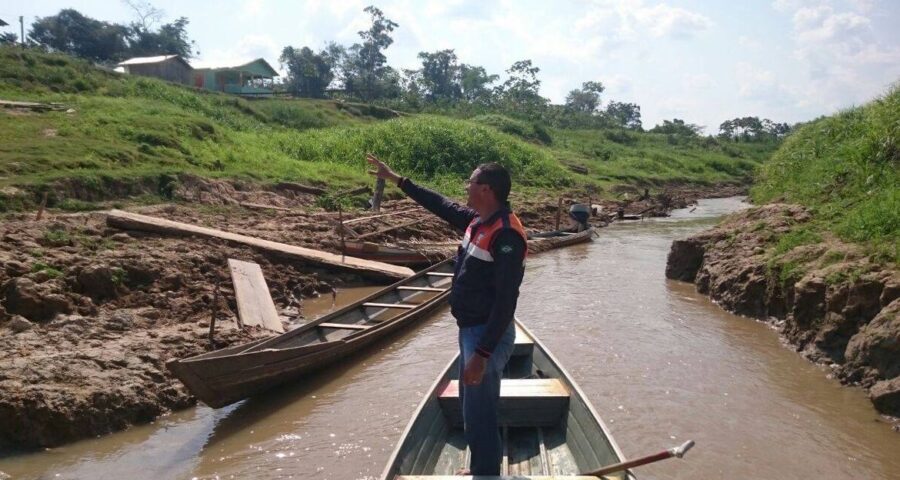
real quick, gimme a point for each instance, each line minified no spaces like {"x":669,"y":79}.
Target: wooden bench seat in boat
{"x":524,"y":345}
{"x":491,"y":477}
{"x":523,"y":402}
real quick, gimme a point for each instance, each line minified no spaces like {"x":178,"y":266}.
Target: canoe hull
{"x":226,"y":376}
{"x":432,"y":445}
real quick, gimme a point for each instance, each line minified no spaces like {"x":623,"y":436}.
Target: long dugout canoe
{"x":548,"y":427}
{"x":225,"y":376}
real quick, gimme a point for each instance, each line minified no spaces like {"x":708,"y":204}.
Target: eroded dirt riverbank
{"x":830,"y":300}
{"x":90,"y":314}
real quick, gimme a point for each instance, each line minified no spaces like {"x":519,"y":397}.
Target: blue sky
{"x":702,"y":61}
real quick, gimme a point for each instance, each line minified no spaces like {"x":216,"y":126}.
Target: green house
{"x":254,"y":79}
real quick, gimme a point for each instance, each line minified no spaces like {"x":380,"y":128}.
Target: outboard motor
{"x":581,"y":213}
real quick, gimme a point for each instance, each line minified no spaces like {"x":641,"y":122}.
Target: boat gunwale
{"x":443,"y":378}
{"x":567,"y":377}
{"x":262,"y":344}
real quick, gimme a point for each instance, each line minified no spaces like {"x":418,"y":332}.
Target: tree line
{"x":81,"y":36}
{"x":442,"y":83}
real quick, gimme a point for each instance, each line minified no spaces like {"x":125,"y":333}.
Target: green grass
{"x":131,"y":136}
{"x":846,"y":169}
{"x":615,"y":157}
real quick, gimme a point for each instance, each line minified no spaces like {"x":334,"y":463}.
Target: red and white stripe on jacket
{"x":480,"y":247}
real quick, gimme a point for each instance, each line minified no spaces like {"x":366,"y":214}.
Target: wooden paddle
{"x":617,"y":467}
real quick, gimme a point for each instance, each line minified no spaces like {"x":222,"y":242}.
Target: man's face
{"x":476,"y":192}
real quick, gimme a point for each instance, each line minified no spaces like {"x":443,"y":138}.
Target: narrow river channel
{"x":659,"y":362}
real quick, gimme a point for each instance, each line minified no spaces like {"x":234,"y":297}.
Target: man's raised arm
{"x":457,"y":215}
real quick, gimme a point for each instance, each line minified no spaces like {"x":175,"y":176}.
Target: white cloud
{"x":749,"y":43}
{"x":248,"y":48}
{"x":662,"y":20}
{"x":253,"y":8}
{"x":755,"y":82}
{"x":700,"y":81}
{"x":817,"y":25}
{"x":632,"y":20}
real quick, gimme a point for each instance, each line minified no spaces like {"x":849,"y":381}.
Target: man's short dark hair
{"x":495,"y":176}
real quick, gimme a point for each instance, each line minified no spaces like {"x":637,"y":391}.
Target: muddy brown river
{"x":660,"y":363}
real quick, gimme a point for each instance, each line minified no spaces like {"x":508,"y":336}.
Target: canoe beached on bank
{"x":548,"y":427}
{"x":411,"y":254}
{"x":226,"y":376}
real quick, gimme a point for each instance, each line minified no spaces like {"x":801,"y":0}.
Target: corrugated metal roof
{"x":145,"y":60}
{"x":261,"y":62}
{"x":2,"y":23}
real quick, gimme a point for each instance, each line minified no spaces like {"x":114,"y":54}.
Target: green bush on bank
{"x":426,"y":147}
{"x":846,"y":169}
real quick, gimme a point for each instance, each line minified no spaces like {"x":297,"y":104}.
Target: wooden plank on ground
{"x":135,"y":221}
{"x":254,"y":302}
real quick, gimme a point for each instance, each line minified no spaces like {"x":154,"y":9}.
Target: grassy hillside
{"x":128,"y":128}
{"x":846,"y":168}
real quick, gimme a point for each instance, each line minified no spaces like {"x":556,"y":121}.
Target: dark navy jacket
{"x":484,"y":292}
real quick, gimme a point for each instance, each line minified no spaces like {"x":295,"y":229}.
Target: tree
{"x":308,"y":74}
{"x":75,"y":34}
{"x":8,"y":38}
{"x":519,"y":94}
{"x":440,"y":76}
{"x":365,"y":72}
{"x":750,"y":129}
{"x":678,"y":127}
{"x":586,"y":99}
{"x":626,"y":115}
{"x":474,"y":82}
{"x":145,"y":13}
{"x":170,"y":39}
{"x":71,"y":32}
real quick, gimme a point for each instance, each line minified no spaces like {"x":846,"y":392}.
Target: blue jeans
{"x":481,"y":402}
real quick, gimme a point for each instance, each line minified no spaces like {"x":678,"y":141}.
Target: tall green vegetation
{"x":75,"y":34}
{"x":146,"y":131}
{"x":846,"y":168}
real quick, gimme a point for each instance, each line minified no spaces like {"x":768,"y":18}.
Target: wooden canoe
{"x":397,"y":254}
{"x":541,"y":242}
{"x":549,"y":429}
{"x":410,"y":254}
{"x":231,"y":374}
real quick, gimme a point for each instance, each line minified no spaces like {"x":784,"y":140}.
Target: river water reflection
{"x":660,"y":363}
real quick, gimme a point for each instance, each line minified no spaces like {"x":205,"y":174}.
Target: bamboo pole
{"x":379,"y":193}
{"x":558,"y":212}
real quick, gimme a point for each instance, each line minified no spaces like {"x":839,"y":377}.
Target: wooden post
{"x":558,"y":213}
{"x":212,"y":320}
{"x":341,"y":223}
{"x":40,"y":212}
{"x":376,"y":197}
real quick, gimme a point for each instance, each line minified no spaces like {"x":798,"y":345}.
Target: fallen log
{"x":134,"y":221}
{"x":259,"y":206}
{"x":578,"y":169}
{"x":389,"y":229}
{"x":36,"y":106}
{"x":353,"y":191}
{"x":300,"y":188}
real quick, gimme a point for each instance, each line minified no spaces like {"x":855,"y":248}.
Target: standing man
{"x":490,"y":264}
